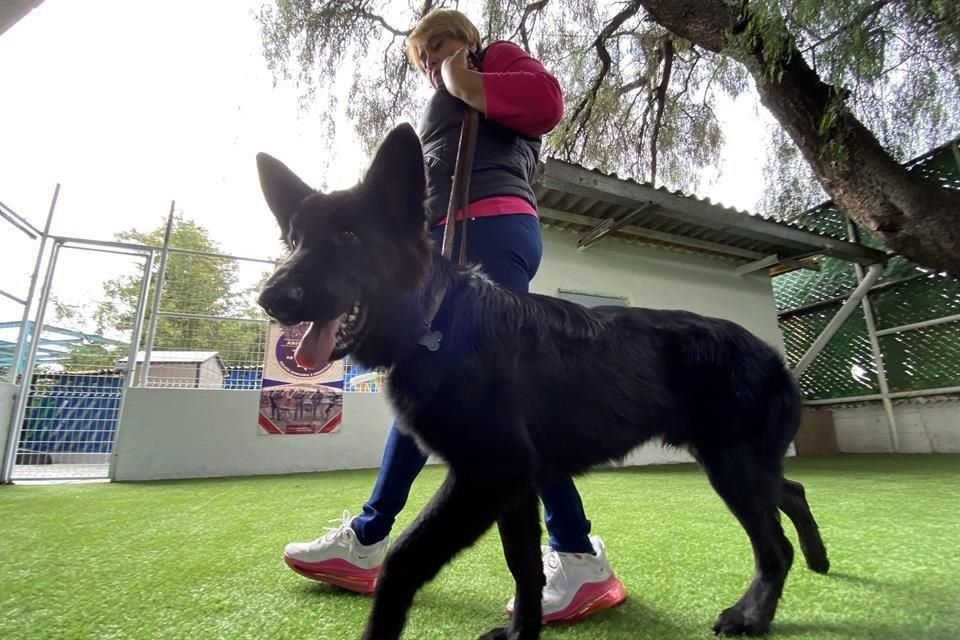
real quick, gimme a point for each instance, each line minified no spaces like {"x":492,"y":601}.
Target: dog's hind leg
{"x":520,"y":535}
{"x":793,"y":502}
{"x":458,"y":514}
{"x":749,"y":483}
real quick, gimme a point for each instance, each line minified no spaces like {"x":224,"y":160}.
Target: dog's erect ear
{"x":282,"y":189}
{"x":397,"y":171}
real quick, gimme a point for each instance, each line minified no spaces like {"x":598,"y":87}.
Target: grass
{"x":201,"y":559}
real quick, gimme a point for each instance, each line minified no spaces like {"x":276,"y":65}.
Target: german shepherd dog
{"x":513,"y":390}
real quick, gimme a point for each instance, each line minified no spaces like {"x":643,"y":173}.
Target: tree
{"x":84,"y":350}
{"x":857,"y":87}
{"x":196,"y":288}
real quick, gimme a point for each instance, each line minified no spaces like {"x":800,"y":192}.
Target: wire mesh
{"x":926,"y":298}
{"x":845,"y":367}
{"x":206,"y":353}
{"x":918,"y":359}
{"x":926,"y":358}
{"x":803,"y":286}
{"x":76,"y":388}
{"x":69,"y":425}
{"x":210,"y":331}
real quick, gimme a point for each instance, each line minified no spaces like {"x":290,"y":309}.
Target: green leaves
{"x":893,"y":65}
{"x":194,"y":285}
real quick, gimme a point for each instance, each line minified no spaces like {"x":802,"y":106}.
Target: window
{"x":592,"y":299}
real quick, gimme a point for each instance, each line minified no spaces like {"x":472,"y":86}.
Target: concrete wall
{"x":170,"y":433}
{"x":922,"y":427}
{"x":191,"y":433}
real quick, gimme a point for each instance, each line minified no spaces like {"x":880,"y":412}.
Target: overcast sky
{"x":131,"y":104}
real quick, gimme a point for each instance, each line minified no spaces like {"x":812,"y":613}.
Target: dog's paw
{"x":500,"y":633}
{"x":733,"y":622}
{"x":817,"y":560}
{"x":819,"y":565}
{"x":509,"y":633}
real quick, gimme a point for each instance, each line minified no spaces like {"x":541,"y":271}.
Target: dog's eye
{"x":345,"y":237}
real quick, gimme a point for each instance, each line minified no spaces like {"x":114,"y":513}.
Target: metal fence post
{"x":875,"y":347}
{"x":161,"y":274}
{"x":138,"y":321}
{"x":22,"y":336}
{"x":874,"y":273}
{"x":13,"y":439}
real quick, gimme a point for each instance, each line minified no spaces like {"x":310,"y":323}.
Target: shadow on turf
{"x":633,"y":619}
{"x":852,"y":630}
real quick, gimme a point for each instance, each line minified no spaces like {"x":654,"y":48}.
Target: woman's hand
{"x":462,"y":80}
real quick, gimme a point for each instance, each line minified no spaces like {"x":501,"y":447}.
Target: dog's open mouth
{"x":327,"y":341}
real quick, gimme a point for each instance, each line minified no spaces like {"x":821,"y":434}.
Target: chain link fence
{"x":916,"y":312}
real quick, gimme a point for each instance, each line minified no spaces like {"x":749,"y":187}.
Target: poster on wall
{"x":294,"y":400}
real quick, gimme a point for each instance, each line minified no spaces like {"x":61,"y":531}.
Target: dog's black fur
{"x":527,"y":387}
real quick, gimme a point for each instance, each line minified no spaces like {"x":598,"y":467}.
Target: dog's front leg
{"x":462,"y":509}
{"x":520,"y":536}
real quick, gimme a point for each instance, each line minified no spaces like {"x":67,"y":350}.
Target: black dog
{"x":512,"y":390}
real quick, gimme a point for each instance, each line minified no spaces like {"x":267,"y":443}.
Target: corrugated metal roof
{"x":598,"y":205}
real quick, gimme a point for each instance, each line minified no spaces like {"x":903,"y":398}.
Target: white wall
{"x":170,"y":433}
{"x":922,"y":427}
{"x":656,"y":278}
{"x":193,"y":433}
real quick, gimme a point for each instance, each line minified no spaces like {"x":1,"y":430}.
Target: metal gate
{"x":68,"y":414}
{"x":72,"y":381}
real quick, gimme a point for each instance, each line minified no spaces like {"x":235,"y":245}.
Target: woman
{"x":519,"y":101}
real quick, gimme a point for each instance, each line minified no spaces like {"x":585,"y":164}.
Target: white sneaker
{"x":338,"y":558}
{"x":577,"y":584}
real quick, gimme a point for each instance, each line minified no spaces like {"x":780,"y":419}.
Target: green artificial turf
{"x":202,"y":559}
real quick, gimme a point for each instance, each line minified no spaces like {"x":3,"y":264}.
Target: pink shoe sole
{"x":337,"y":572}
{"x":590,"y":598}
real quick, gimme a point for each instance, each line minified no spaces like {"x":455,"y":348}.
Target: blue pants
{"x":508,"y":248}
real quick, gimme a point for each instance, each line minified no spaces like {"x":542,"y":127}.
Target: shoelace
{"x":334,"y":533}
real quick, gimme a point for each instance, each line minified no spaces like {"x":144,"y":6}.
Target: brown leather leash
{"x":459,"y":199}
{"x":460,"y":190}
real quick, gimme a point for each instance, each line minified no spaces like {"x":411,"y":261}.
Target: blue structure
{"x":54,"y":346}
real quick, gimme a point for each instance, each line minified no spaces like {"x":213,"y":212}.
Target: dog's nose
{"x":282,"y":303}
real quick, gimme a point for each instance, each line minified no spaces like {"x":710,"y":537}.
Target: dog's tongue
{"x":317,"y":345}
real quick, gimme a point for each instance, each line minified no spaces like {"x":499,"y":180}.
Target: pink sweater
{"x":522,"y":95}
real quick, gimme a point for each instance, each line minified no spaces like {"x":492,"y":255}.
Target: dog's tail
{"x":784,"y":408}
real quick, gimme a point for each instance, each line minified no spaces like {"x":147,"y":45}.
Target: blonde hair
{"x":448,"y":23}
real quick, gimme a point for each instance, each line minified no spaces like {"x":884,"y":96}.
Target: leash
{"x":460,"y":191}
{"x":459,"y":200}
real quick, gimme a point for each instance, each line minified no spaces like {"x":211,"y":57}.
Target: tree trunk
{"x":912,"y":216}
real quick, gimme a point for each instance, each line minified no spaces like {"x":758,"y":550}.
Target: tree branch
{"x":425,"y":9}
{"x":522,"y":27}
{"x":862,"y":15}
{"x":911,"y":215}
{"x":582,"y":112}
{"x":632,"y":86}
{"x":666,"y":47}
{"x":383,"y":23}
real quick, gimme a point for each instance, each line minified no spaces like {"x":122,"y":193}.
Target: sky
{"x":130,"y":105}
